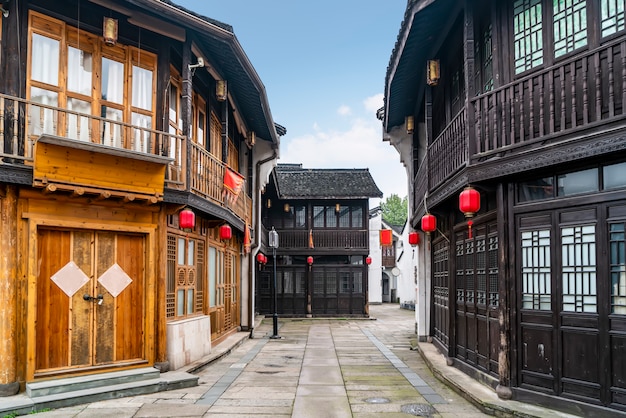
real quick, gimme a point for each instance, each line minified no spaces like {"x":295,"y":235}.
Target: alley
{"x":318,"y":368}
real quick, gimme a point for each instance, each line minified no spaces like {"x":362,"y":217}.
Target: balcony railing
{"x":448,"y":152}
{"x":580,"y":92}
{"x":22,"y":122}
{"x":323,"y":239}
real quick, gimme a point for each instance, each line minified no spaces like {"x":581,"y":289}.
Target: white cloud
{"x":373,"y":103}
{"x":360,"y":145}
{"x":344,"y":110}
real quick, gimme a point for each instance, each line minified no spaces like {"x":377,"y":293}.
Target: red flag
{"x":233,"y":182}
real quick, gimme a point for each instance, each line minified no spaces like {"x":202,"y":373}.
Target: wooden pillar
{"x":186,"y":107}
{"x":504,"y":260}
{"x":8,"y":292}
{"x":160,"y":360}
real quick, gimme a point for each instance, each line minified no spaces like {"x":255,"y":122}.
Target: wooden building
{"x":321,"y":217}
{"x":524,"y":101}
{"x":115,"y":115}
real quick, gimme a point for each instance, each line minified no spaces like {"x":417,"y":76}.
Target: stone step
{"x":70,"y":384}
{"x":23,"y":404}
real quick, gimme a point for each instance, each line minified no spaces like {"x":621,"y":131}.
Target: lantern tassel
{"x":469,"y":226}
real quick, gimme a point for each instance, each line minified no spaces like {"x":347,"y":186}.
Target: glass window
{"x":190,"y":306}
{"x":112,"y":131}
{"x":142,"y":88}
{"x":357,"y":217}
{"x":612,"y":16}
{"x":331,"y":217}
{"x":300,"y":217}
{"x":542,"y":188}
{"x":141,"y":137}
{"x":570,"y":25}
{"x":617,"y":238}
{"x":318,"y":216}
{"x":578,"y":182}
{"x":79,"y":70}
{"x":614,"y":176}
{"x":112,"y":81}
{"x":344,"y":217}
{"x":528,"y":34}
{"x":536,"y":283}
{"x":42,"y":122}
{"x":78,"y":126}
{"x":45,"y":60}
{"x":212,"y":270}
{"x":578,"y":251}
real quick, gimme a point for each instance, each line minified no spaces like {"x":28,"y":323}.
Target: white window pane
{"x":78,"y":126}
{"x":42,"y":120}
{"x":181,"y":251}
{"x":112,"y":81}
{"x":79,"y":70}
{"x":142,"y":88}
{"x":45,"y":60}
{"x":141,"y":137}
{"x":191,"y":253}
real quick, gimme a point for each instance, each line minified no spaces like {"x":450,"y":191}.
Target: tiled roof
{"x":295,"y":182}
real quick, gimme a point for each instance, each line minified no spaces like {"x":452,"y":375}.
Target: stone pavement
{"x":319,"y":368}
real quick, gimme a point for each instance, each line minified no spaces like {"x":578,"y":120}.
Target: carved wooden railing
{"x":420,"y":185}
{"x":323,"y":239}
{"x":22,"y":122}
{"x":580,"y":92}
{"x":448,"y":152}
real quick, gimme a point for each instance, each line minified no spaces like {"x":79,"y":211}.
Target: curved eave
{"x":226,"y":51}
{"x":406,"y":73}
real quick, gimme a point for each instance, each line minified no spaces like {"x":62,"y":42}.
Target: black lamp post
{"x":273,"y":243}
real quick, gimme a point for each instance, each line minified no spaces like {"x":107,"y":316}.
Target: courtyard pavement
{"x":318,"y":368}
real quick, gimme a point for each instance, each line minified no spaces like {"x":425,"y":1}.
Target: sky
{"x":323,"y":64}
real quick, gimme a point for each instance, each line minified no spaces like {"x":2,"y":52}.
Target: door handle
{"x":89,"y":298}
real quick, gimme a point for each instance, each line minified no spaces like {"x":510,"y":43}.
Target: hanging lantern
{"x":186,"y":219}
{"x":309,"y":260}
{"x":429,"y":223}
{"x":469,"y":201}
{"x":260,"y":257}
{"x":414,"y":238}
{"x":368,"y":260}
{"x":225,"y":232}
{"x":109,"y":31}
{"x":386,"y":237}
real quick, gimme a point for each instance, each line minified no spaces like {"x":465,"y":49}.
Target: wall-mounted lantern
{"x":433,"y":73}
{"x":386,"y":237}
{"x":109,"y":31}
{"x":409,"y":121}
{"x":186,"y":219}
{"x":309,"y":261}
{"x":220,"y":90}
{"x":286,"y":207}
{"x":368,"y":260}
{"x":226,"y":232}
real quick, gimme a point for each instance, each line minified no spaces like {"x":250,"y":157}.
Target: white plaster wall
{"x":374,"y":274}
{"x":188,"y":340}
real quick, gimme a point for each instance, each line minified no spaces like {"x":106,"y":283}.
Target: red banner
{"x":233,"y":182}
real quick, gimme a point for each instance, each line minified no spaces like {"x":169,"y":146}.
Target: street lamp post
{"x":273,"y":243}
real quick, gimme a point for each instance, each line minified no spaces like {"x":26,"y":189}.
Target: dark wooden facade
{"x":323,"y":214}
{"x":528,"y":108}
{"x":102,"y":142}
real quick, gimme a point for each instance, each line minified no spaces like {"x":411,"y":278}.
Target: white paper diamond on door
{"x":70,"y":278}
{"x":115,"y":280}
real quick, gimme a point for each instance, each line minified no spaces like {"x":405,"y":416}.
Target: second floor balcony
{"x":190,"y":168}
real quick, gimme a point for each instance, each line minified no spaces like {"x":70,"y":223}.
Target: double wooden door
{"x":90,"y":300}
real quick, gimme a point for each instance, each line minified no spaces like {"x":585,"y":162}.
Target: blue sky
{"x":323,"y":64}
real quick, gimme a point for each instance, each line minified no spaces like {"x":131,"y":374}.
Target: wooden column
{"x":160,"y":360}
{"x":504,"y":260}
{"x":8,"y":292}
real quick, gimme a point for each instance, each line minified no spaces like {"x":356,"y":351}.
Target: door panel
{"x":75,"y":327}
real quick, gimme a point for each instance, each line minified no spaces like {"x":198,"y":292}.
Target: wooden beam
{"x":50,"y":188}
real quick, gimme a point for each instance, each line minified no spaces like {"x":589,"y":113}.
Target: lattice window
{"x":318,"y":283}
{"x":570,"y":25}
{"x":170,"y":293}
{"x":481,"y":271}
{"x":536,"y":285}
{"x":469,"y":271}
{"x":492,"y":269}
{"x":460,"y":270}
{"x":578,"y":247}
{"x":612,"y":16}
{"x":617,"y":239}
{"x":331,"y":283}
{"x":528,"y":34}
{"x":357,"y":282}
{"x":300,"y":282}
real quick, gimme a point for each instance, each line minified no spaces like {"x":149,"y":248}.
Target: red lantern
{"x":368,"y":260}
{"x":186,"y":219}
{"x":469,"y":201}
{"x":226,"y":232}
{"x":414,"y":238}
{"x":386,"y":237}
{"x":309,"y":260}
{"x":429,"y":223}
{"x":260,"y":257}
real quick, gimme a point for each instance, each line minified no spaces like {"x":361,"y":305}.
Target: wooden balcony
{"x":23,"y":122}
{"x":577,"y":96}
{"x":579,"y":93}
{"x":337,"y":239}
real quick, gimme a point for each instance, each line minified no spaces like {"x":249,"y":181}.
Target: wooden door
{"x":90,"y":299}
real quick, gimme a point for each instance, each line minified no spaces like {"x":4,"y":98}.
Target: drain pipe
{"x":257,"y":239}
